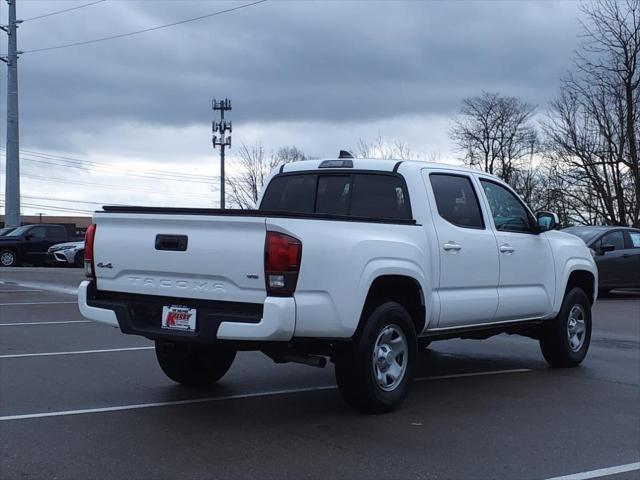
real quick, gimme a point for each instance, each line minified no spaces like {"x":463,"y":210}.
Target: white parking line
{"x":603,"y":472}
{"x":229,"y":397}
{"x":75,"y":352}
{"x":50,"y":287}
{"x":36,"y":303}
{"x":19,"y":324}
{"x":18,"y":291}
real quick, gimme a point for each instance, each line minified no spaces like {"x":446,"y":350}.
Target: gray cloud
{"x":317,"y":74}
{"x":285,"y":61}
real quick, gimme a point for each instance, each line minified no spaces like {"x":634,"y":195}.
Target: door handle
{"x":451,"y":246}
{"x":176,"y":243}
{"x":506,"y":248}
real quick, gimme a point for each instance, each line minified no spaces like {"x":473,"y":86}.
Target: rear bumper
{"x":141,"y":315}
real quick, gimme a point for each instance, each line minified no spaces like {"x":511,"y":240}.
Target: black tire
{"x":192,"y":364}
{"x":555,"y":343}
{"x":356,"y":367}
{"x":78,"y":260}
{"x":8,"y":258}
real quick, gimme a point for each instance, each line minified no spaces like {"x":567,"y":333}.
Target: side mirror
{"x":29,"y":236}
{"x":547,"y":221}
{"x":607,"y":247}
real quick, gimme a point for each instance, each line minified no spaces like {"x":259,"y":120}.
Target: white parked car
{"x":357,"y":261}
{"x":70,"y":253}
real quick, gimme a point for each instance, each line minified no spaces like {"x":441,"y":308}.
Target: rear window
{"x":333,"y":194}
{"x":357,"y":194}
{"x":292,"y":193}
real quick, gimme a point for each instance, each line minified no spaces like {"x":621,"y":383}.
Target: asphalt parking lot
{"x":81,"y":400}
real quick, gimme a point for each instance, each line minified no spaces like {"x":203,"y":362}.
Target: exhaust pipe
{"x":311,"y":360}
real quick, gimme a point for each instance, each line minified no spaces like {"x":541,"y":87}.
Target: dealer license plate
{"x":178,"y":317}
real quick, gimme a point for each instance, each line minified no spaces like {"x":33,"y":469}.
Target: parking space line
{"x":602,"y":472}
{"x":230,"y":397}
{"x":20,"y":324}
{"x":75,"y":352}
{"x":55,"y":288}
{"x":35,"y":303}
{"x":19,"y":291}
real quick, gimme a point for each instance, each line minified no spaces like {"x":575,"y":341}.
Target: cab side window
{"x":456,"y":200}
{"x":509,"y":213}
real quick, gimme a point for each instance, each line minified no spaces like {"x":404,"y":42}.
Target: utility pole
{"x":12,"y":192}
{"x":223,"y":141}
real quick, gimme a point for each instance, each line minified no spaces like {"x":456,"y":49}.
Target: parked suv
{"x":352,"y":260}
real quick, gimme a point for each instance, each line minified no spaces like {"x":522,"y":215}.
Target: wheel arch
{"x":401,"y":288}
{"x":583,"y":279}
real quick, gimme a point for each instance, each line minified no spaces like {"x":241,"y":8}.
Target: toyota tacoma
{"x":359,"y":262}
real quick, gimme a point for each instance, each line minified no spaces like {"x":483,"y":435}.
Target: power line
{"x":86,"y":202}
{"x":103,"y":170}
{"x":63,"y":11}
{"x":55,"y":209}
{"x":107,"y":168}
{"x":129,"y":34}
{"x":172,"y":192}
{"x":51,"y":199}
{"x":91,"y":162}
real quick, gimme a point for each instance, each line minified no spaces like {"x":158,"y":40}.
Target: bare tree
{"x":592,"y":127}
{"x":252,"y":167}
{"x":385,"y":150}
{"x":495,"y":133}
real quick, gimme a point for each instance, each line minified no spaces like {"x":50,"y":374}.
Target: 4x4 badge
{"x":104,"y":265}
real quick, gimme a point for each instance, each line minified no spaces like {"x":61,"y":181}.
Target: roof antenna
{"x":345,"y":154}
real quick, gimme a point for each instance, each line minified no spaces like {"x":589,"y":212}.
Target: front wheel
{"x":375,"y":374}
{"x":192,"y":364}
{"x":78,"y":260}
{"x":8,"y":258}
{"x":564,"y":341}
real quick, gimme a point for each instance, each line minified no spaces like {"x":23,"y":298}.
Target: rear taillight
{"x":89,"y":237}
{"x":282,"y":254}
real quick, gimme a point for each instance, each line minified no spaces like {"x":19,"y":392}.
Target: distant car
{"x":616,"y":251}
{"x":71,"y":253}
{"x":29,"y":243}
{"x":6,"y":230}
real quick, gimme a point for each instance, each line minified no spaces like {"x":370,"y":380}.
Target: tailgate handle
{"x":176,"y":243}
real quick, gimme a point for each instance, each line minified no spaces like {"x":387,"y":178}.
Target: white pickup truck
{"x":358,"y":261}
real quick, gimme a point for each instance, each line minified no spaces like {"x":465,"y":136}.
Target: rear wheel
{"x":374,"y":375}
{"x":8,"y":258}
{"x":565,"y":339}
{"x":192,"y":364}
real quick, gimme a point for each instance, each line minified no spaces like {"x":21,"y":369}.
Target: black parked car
{"x":616,"y":251}
{"x":30,"y":243}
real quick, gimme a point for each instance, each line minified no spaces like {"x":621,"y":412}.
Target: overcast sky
{"x":315,"y":74}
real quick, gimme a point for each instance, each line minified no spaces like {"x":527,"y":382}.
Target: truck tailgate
{"x":223,"y":259}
